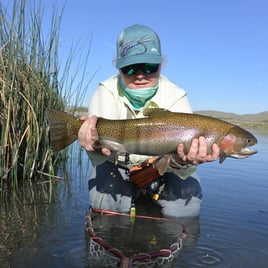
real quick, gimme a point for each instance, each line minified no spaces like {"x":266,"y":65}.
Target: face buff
{"x":138,"y":97}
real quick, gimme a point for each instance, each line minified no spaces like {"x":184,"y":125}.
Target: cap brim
{"x":134,"y":59}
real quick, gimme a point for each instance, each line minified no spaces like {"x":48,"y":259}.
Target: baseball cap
{"x":138,"y":44}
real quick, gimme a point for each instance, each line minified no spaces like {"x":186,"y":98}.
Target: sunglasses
{"x":147,"y":68}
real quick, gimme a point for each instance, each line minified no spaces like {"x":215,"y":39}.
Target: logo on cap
{"x":127,"y":45}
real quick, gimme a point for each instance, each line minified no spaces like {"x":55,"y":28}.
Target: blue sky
{"x":217,"y":50}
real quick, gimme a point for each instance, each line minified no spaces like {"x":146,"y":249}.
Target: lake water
{"x":41,"y":230}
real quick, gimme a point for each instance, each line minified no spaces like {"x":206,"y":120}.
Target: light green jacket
{"x":109,"y":102}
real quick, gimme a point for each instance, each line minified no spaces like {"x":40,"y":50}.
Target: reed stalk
{"x":31,"y":79}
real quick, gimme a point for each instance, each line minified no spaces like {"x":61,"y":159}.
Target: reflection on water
{"x":40,"y":230}
{"x":232,"y":230}
{"x":21,"y":217}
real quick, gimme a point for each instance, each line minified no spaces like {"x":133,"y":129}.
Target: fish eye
{"x":250,"y":140}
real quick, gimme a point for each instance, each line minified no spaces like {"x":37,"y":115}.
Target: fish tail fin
{"x":63,"y":129}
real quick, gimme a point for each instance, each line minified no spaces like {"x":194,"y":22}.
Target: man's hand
{"x":87,"y":134}
{"x":197,"y":153}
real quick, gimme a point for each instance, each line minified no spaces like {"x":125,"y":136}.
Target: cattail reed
{"x":29,"y":83}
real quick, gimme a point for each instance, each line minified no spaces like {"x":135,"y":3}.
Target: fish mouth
{"x":245,"y":152}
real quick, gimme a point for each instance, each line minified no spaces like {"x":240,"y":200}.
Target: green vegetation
{"x":30,"y":81}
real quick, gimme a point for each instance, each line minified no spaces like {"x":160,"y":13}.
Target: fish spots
{"x":158,"y":134}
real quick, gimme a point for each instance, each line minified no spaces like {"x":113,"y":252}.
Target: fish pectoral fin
{"x":97,"y":145}
{"x":162,"y":164}
{"x":111,"y":145}
{"x":222,"y":157}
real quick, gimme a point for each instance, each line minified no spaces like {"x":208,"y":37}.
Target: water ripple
{"x":227,"y":254}
{"x":208,"y":259}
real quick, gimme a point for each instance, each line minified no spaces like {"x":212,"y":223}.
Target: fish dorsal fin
{"x":154,"y":111}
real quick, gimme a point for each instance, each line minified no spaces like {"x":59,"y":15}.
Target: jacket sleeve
{"x":103,"y":103}
{"x":179,"y":103}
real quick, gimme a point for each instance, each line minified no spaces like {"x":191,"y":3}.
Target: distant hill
{"x":259,"y":120}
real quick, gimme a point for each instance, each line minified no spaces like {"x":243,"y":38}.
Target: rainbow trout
{"x":158,"y":134}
